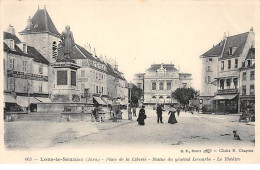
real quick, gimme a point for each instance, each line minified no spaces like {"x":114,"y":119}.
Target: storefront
{"x":225,"y":104}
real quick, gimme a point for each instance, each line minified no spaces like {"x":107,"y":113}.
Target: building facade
{"x":247,"y":81}
{"x":41,"y":33}
{"x":221,"y":65}
{"x":25,"y":74}
{"x":160,"y":80}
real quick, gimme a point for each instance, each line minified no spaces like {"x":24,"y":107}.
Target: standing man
{"x":67,"y":41}
{"x":159,"y":114}
{"x":134,"y":111}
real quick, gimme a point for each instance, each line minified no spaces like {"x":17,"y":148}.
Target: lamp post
{"x":130,"y":87}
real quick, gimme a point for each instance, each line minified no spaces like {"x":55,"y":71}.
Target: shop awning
{"x":99,"y":100}
{"x":43,"y":100}
{"x":9,"y":99}
{"x":25,"y":101}
{"x":225,"y":97}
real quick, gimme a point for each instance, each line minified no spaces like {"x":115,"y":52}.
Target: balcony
{"x":227,"y":91}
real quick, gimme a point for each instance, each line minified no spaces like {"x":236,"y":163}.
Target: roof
{"x":169,"y":67}
{"x":31,"y":51}
{"x":110,"y":71}
{"x":8,"y":35}
{"x":238,"y":41}
{"x":82,"y":53}
{"x":215,"y":50}
{"x":251,"y":54}
{"x":41,"y":22}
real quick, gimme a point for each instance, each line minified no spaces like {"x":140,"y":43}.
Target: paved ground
{"x":196,"y":129}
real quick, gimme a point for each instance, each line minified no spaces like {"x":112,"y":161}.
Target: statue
{"x":67,"y":42}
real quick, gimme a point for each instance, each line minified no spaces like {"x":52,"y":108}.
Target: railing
{"x":225,"y":91}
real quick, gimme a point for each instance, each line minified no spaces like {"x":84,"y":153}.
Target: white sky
{"x":140,"y":33}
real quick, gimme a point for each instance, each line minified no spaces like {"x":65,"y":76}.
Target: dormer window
{"x":230,"y":51}
{"x":12,"y":44}
{"x":24,"y":48}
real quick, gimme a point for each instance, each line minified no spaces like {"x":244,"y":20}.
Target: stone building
{"x":221,"y":76}
{"x":160,"y":80}
{"x":41,"y":33}
{"x":92,"y":76}
{"x":25,"y":74}
{"x":116,"y":85}
{"x":247,"y":81}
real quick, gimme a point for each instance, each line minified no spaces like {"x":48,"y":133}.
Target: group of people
{"x":172,"y":119}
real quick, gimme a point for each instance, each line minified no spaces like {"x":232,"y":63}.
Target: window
{"x":24,"y":48}
{"x":82,"y":87}
{"x":96,"y":75}
{"x":221,"y":84}
{"x":243,"y":90}
{"x":82,"y":73}
{"x":41,"y":69}
{"x":222,"y":65}
{"x":206,"y":81}
{"x":228,"y":83}
{"x":210,"y":59}
{"x":102,"y":77}
{"x":96,"y":89}
{"x":161,"y":85}
{"x":12,"y":44}
{"x":184,"y":85}
{"x":209,"y":79}
{"x":229,"y":64}
{"x":99,"y":76}
{"x":230,"y":51}
{"x":11,"y":83}
{"x":169,"y":85}
{"x":252,"y":75}
{"x":235,"y":81}
{"x":24,"y":66}
{"x":244,"y":76}
{"x":102,"y":90}
{"x":153,"y":85}
{"x":236,"y":63}
{"x":54,"y":49}
{"x":252,"y":89}
{"x":40,"y":87}
{"x":11,"y":63}
{"x":248,"y":63}
{"x":208,"y":69}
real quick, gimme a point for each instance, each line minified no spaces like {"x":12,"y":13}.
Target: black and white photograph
{"x":143,"y":81}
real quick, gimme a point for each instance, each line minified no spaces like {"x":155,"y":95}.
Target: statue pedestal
{"x":65,"y":83}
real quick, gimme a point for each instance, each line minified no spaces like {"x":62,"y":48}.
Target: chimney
{"x":94,"y":53}
{"x":251,"y":29}
{"x":11,"y":29}
{"x":29,"y":23}
{"x":225,"y":36}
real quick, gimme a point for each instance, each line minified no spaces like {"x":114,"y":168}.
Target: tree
{"x":136,"y":94}
{"x":183,"y":95}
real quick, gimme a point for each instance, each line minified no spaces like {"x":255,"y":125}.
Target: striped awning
{"x":99,"y":100}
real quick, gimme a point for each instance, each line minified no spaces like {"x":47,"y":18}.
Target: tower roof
{"x":41,"y":22}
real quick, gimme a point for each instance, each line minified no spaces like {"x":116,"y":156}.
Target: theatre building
{"x":160,"y":80}
{"x":25,"y":74}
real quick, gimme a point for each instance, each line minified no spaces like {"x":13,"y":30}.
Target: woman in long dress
{"x":172,"y":118}
{"x":141,"y":116}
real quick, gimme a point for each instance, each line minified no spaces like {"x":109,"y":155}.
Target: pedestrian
{"x":129,"y":113}
{"x":178,"y":111}
{"x":134,"y":111}
{"x":141,"y":117}
{"x":159,"y":114}
{"x":94,"y":114}
{"x":172,"y":118}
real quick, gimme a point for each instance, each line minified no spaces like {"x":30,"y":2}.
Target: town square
{"x":107,"y":76}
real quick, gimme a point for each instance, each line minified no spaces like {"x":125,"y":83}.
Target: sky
{"x":140,"y":33}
